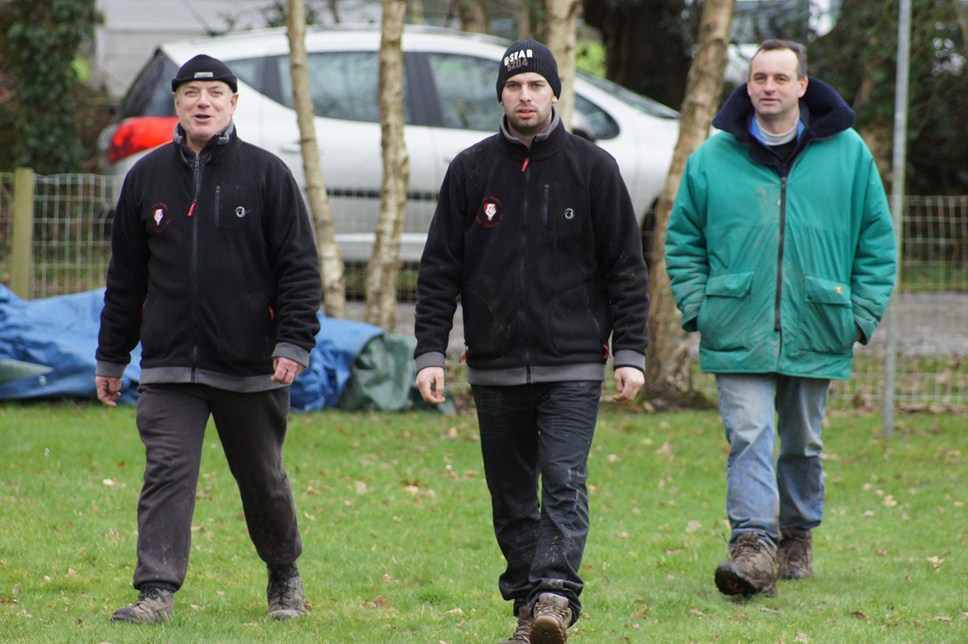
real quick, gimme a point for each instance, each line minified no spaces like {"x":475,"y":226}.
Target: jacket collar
{"x":822,"y":111}
{"x":217,"y":143}
{"x":542,"y":145}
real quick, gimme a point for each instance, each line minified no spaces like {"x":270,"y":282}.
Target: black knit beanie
{"x":205,"y":68}
{"x":528,"y":56}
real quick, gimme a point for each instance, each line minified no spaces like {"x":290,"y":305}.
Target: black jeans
{"x":252,"y":428}
{"x":531,"y":431}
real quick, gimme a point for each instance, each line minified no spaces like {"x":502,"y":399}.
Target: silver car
{"x":449,"y":104}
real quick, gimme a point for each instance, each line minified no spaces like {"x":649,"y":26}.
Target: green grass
{"x":398,"y":543}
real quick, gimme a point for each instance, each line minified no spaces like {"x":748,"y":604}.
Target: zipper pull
{"x":524,"y":166}
{"x":191,"y":211}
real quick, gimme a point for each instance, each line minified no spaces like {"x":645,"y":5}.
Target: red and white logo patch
{"x":490,"y":214}
{"x":159,"y":215}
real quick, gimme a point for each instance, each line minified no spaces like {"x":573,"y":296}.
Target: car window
{"x":150,"y":93}
{"x":465,"y":87}
{"x":344,"y":85}
{"x":600,"y":123}
{"x":642,"y":103}
{"x":250,"y":72}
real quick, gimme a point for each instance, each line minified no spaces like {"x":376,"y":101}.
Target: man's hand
{"x":286,"y":370}
{"x":628,"y":381}
{"x":430,"y":382}
{"x":108,"y":390}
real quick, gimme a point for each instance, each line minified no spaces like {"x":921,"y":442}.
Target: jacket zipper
{"x":193,"y":271}
{"x":522,"y":285}
{"x":779,"y":263}
{"x":544,"y":208}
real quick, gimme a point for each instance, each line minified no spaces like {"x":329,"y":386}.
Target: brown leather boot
{"x":752,"y":569}
{"x":552,"y":617}
{"x":154,"y":605}
{"x":795,"y":554}
{"x":522,"y":632}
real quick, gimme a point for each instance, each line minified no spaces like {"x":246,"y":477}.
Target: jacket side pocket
{"x":723,"y":319}
{"x":827,"y":316}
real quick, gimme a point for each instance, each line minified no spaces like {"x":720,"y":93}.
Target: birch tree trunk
{"x":562,"y":35}
{"x":474,"y":16}
{"x":330,"y":259}
{"x":668,"y":360}
{"x":383,"y":268}
{"x":415,"y":10}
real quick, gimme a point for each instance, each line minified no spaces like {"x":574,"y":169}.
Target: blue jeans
{"x":760,"y":496}
{"x":529,"y":431}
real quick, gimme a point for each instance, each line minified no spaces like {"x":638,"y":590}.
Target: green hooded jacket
{"x":781,"y":267}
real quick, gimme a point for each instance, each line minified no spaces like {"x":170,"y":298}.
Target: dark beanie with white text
{"x":528,"y":56}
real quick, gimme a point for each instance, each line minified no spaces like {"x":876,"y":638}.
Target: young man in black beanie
{"x":535,"y":233}
{"x":214,"y":270}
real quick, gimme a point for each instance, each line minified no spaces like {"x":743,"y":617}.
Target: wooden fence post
{"x":23,"y":233}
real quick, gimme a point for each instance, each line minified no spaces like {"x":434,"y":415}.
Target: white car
{"x":450,"y":102}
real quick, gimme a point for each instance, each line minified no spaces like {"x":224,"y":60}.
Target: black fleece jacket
{"x":542,"y":247}
{"x":213,"y":268}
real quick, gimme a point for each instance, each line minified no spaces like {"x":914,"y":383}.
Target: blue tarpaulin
{"x":47,"y":350}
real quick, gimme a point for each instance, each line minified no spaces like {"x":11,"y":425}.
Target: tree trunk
{"x":384,"y":266}
{"x":330,"y":260}
{"x":668,"y":352}
{"x":562,"y":26}
{"x":645,"y":45}
{"x":415,"y":10}
{"x":474,"y":16}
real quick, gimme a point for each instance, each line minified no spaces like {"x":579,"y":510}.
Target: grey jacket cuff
{"x":109,"y":369}
{"x":292,"y":352}
{"x":629,"y":358}
{"x":430,"y":359}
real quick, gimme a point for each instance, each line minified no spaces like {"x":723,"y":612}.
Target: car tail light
{"x":140,"y":133}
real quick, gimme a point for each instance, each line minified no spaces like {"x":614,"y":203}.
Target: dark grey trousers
{"x":252,"y":427}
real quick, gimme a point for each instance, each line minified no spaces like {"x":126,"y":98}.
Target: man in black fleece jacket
{"x":535,"y":233}
{"x":214,"y":270}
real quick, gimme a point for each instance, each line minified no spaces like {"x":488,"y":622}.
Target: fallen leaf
{"x":859,"y":614}
{"x":377,"y":602}
{"x":693,"y":525}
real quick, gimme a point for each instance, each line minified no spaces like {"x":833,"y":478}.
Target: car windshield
{"x":344,"y":85}
{"x":639,"y":102}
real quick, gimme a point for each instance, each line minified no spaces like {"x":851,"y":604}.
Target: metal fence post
{"x":897,"y":203}
{"x":23,"y":232}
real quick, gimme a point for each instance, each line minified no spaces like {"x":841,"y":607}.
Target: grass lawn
{"x":395,"y":521}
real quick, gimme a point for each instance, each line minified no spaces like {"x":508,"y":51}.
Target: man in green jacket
{"x":781,"y":253}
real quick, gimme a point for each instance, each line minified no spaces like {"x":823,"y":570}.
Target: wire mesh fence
{"x":71,"y":250}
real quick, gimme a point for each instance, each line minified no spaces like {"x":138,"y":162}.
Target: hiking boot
{"x":795,"y":554}
{"x":285,"y":593}
{"x":154,"y":605}
{"x":552,"y":617}
{"x":523,"y":630}
{"x":752,"y":568}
